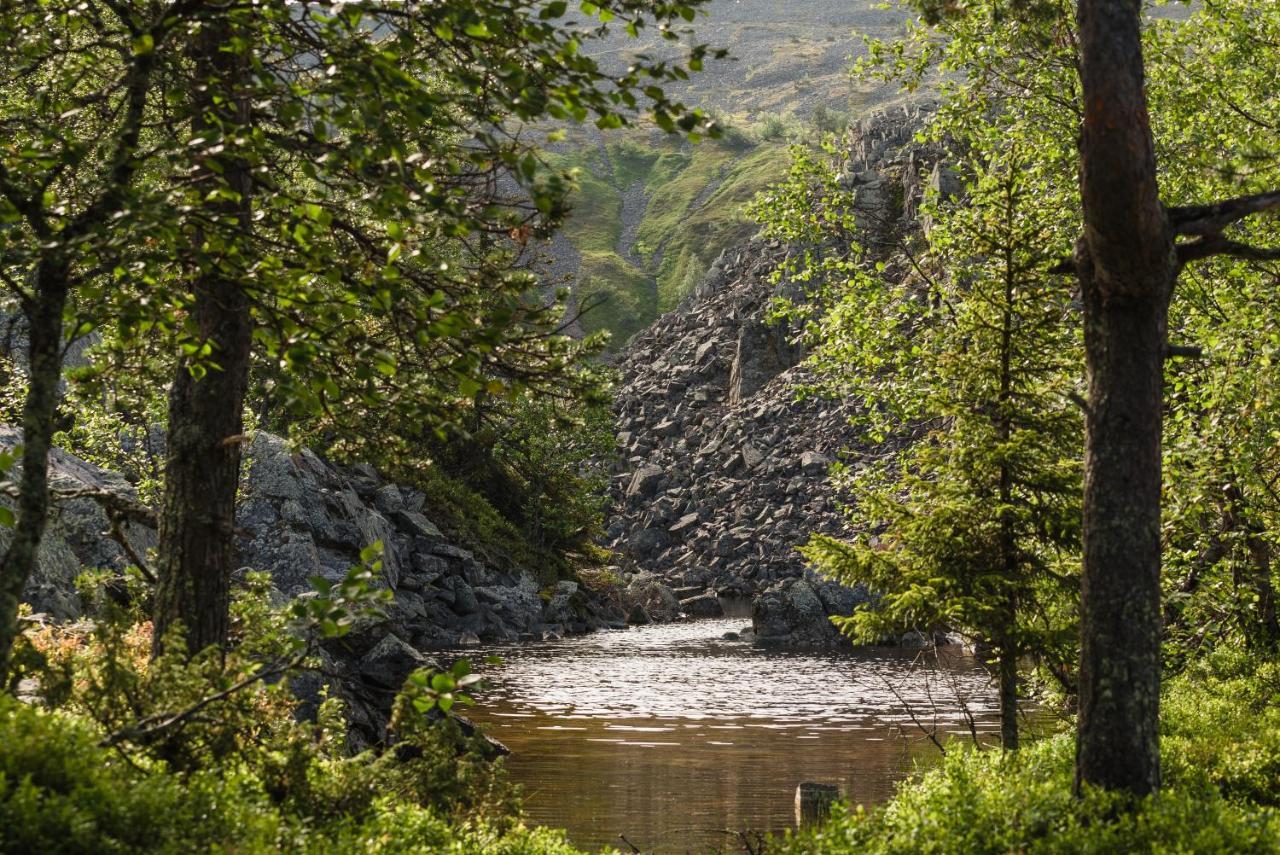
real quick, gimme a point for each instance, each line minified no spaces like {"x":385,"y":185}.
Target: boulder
{"x":647,"y":542}
{"x":791,"y":614}
{"x":704,"y":606}
{"x":390,"y":662}
{"x":814,"y":463}
{"x":645,"y":482}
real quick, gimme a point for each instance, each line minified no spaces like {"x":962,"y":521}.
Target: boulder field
{"x":723,"y":467}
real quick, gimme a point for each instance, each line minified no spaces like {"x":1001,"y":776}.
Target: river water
{"x":678,"y":738}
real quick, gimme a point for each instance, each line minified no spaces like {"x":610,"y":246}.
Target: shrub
{"x":1221,"y":744}
{"x":81,"y":773}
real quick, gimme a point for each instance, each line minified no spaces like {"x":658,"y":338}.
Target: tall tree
{"x":365,"y":188}
{"x":1126,"y":265}
{"x":79,"y":84}
{"x":964,"y":499}
{"x":206,"y":398}
{"x":1127,"y":262}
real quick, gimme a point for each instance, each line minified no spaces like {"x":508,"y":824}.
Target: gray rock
{"x":390,"y":662}
{"x":791,"y":614}
{"x":645,"y":482}
{"x":914,"y":640}
{"x":814,"y":463}
{"x":417,"y":524}
{"x":647,"y":542}
{"x":388,"y":499}
{"x":685,"y":524}
{"x":464,"y":597}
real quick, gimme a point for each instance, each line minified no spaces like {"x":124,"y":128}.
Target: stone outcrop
{"x":724,"y":469}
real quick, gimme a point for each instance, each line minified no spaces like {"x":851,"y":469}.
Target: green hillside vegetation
{"x":695,"y":196}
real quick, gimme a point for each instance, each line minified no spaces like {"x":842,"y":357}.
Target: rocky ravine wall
{"x":724,"y":471}
{"x":302,"y":517}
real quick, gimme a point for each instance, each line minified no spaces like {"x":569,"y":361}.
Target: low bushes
{"x":1221,"y":746}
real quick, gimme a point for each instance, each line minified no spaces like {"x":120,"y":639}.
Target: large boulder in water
{"x":798,"y":612}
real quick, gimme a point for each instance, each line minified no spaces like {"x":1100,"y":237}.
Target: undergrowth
{"x":1221,"y":758}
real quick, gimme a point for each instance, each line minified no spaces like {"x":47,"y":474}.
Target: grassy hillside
{"x":652,"y":213}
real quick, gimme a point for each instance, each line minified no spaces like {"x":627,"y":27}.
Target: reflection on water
{"x":673,"y":736}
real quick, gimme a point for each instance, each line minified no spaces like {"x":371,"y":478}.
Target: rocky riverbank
{"x":301,"y":517}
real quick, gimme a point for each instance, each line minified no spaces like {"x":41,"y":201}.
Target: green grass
{"x":691,"y":236}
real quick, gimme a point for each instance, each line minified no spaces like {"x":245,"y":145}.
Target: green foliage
{"x":87,"y":770}
{"x":1222,"y":513}
{"x":964,"y":505}
{"x":1221,"y":760}
{"x":1222,"y":725}
{"x":696,"y":197}
{"x":525,"y":486}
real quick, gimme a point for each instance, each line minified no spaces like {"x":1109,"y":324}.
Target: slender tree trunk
{"x":1009,"y":697}
{"x":1262,"y":628}
{"x":1127,"y":266}
{"x":1009,"y":647}
{"x":197,"y":549}
{"x":44,"y":354}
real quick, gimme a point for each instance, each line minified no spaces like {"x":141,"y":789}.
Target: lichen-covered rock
{"x":791,"y":614}
{"x":75,"y":537}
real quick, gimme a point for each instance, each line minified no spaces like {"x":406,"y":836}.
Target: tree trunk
{"x":1009,"y":698}
{"x":1262,"y":627}
{"x":1121,"y":619}
{"x":197,"y":549}
{"x":1008,"y":534}
{"x":44,"y":354}
{"x":1127,"y":266}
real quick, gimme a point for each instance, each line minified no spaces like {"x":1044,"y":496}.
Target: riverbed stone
{"x":704,"y":606}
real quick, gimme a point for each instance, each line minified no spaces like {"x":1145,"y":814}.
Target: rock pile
{"x":724,"y":470}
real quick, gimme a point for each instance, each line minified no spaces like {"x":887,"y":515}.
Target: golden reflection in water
{"x":678,"y":738}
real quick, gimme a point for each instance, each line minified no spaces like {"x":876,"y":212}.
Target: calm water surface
{"x":673,"y":736}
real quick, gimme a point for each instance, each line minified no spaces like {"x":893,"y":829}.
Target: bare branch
{"x":115,"y":504}
{"x":1211,"y":245}
{"x":154,"y":725}
{"x":1212,"y":219}
{"x":117,"y":534}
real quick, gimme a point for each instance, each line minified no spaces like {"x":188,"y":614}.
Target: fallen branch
{"x":127,"y":508}
{"x":116,"y":533}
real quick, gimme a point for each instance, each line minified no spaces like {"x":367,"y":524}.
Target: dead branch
{"x":116,"y":533}
{"x":1210,"y":220}
{"x":151,"y":726}
{"x":1211,"y":245}
{"x":128,"y":509}
{"x":932,"y":733}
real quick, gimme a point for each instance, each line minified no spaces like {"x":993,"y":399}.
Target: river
{"x":678,"y":738}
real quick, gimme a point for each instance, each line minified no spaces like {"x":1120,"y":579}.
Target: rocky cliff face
{"x":724,"y":470}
